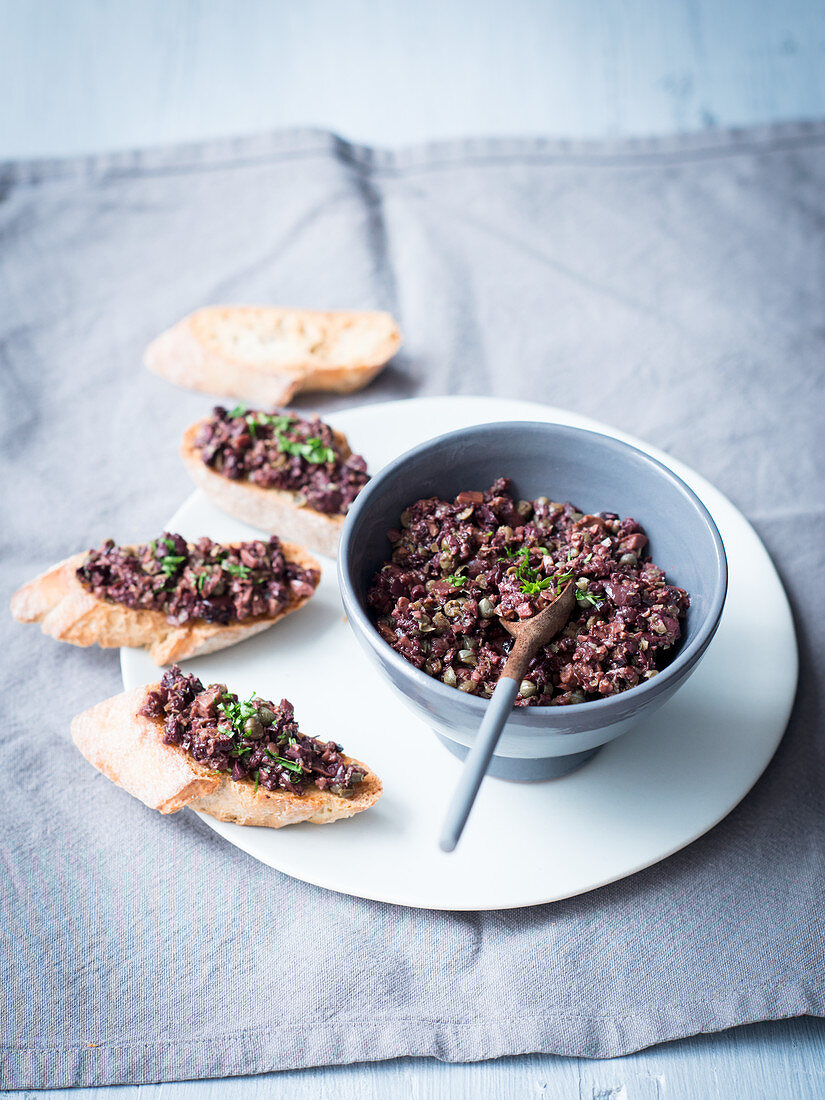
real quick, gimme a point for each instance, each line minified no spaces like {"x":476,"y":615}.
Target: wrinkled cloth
{"x":672,"y":288}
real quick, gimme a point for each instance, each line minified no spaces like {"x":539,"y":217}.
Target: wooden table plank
{"x":98,"y":74}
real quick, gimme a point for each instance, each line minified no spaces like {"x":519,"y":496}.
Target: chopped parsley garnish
{"x":535,"y":588}
{"x":171,"y":563}
{"x":583,"y":594}
{"x":237,"y":712}
{"x":279,"y":422}
{"x":169,"y":543}
{"x":457,"y":580}
{"x":532,"y":582}
{"x":290,"y":765}
{"x":313,"y":450}
{"x":561,"y":581}
{"x":236,"y":569}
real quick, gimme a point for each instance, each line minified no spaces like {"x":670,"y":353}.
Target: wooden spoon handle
{"x":520,"y":656}
{"x":477,"y":761}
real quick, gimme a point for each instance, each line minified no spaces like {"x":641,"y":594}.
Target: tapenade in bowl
{"x":489,"y":522}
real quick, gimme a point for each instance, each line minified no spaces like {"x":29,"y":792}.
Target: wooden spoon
{"x":530,"y":635}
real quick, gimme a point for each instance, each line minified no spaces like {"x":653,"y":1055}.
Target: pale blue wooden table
{"x":102,"y":74}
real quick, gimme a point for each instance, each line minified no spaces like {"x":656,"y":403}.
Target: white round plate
{"x":643,"y":797}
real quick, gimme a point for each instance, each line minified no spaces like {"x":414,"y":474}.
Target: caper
{"x":446,"y":560}
{"x":449,"y":677}
{"x":266,"y":716}
{"x":524,"y":508}
{"x":541,"y":502}
{"x":434,"y":666}
{"x":576,"y":697}
{"x":465,"y":513}
{"x":342,"y":792}
{"x":486,"y":609}
{"x":441,"y":620}
{"x":467,"y":657}
{"x":581,"y":583}
{"x":506,"y":533}
{"x":628,"y":559}
{"x":252,"y":729}
{"x":406,"y":518}
{"x":467,"y":685}
{"x":453,"y":608}
{"x":527,"y":689}
{"x":469,"y":642}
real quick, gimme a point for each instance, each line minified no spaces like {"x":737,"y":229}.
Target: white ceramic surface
{"x":643,"y":797}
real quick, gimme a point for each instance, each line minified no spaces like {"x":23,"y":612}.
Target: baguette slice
{"x":128,"y":748}
{"x":273,"y":510}
{"x":67,"y":611}
{"x":267,"y":354}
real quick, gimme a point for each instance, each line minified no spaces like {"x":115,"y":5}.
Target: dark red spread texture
{"x":459,"y":567}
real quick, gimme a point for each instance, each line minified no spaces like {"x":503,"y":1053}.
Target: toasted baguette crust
{"x":67,"y":611}
{"x":128,"y":749}
{"x":272,"y":510}
{"x":267,"y":354}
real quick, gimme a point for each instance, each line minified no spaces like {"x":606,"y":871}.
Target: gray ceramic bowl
{"x":597,"y":473}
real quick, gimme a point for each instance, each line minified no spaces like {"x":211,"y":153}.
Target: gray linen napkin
{"x":672,"y":288}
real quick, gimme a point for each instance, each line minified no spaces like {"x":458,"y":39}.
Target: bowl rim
{"x":573,"y":713}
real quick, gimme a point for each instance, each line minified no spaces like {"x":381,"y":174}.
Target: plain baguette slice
{"x":67,"y":611}
{"x":267,"y":354}
{"x":128,"y":748}
{"x":273,"y":510}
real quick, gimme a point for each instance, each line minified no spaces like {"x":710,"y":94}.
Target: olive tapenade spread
{"x":458,"y":568}
{"x":279,"y":450}
{"x":205,"y":580}
{"x":251,"y":740}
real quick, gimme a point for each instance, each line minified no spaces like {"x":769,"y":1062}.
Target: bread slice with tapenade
{"x":267,"y":354}
{"x":69,"y":610}
{"x":140,"y":743}
{"x":235,"y":456}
